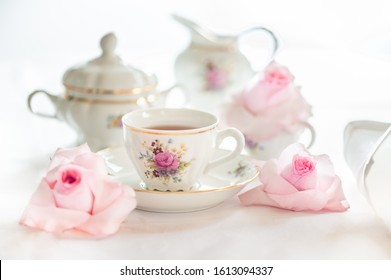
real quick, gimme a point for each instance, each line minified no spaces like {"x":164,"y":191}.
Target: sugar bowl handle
{"x":51,"y":97}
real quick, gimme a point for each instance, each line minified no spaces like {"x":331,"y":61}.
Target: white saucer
{"x":218,"y":185}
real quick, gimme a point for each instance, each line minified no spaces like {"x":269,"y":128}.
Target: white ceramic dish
{"x":360,"y":137}
{"x":220,"y":184}
{"x":375,"y":176}
{"x":368,"y":153}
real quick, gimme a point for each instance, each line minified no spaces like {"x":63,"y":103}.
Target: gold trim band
{"x":99,"y":101}
{"x":138,"y":90}
{"x":170,"y":132}
{"x":229,"y":48}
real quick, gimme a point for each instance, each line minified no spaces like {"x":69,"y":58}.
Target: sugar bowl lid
{"x":107,"y":74}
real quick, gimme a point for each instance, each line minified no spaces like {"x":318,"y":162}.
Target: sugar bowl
{"x":98,"y":93}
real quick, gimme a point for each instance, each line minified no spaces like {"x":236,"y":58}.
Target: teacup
{"x":273,"y":147}
{"x":171,"y":148}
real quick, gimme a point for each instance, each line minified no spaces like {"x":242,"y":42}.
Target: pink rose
{"x":275,"y":87}
{"x":302,"y":173}
{"x":166,"y":160}
{"x":272,"y":106}
{"x":77,"y":194}
{"x":298,"y":181}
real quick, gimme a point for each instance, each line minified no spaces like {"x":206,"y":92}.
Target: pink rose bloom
{"x":77,"y":194}
{"x":298,"y":181}
{"x":166,"y":160}
{"x":271,"y":106}
{"x":275,"y":87}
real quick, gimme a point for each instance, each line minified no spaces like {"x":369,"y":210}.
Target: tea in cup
{"x":172,"y":148}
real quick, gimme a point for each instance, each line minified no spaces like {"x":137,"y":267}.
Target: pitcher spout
{"x":203,"y":36}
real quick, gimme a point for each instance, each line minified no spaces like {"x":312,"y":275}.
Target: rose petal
{"x":289,"y":152}
{"x":314,"y":200}
{"x":43,"y":195}
{"x":325,"y":169}
{"x":92,"y":161}
{"x":310,"y":200}
{"x":256,"y":196}
{"x":79,"y":197}
{"x":286,"y":116}
{"x":108,"y":221}
{"x":52,"y":219}
{"x":337,"y":201}
{"x":272,"y":180}
{"x":63,"y":156}
{"x":41,"y":213}
{"x":107,"y":193}
{"x":266,"y":95}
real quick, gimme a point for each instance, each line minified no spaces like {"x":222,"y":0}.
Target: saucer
{"x":220,"y":184}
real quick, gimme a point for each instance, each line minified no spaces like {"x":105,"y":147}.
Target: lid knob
{"x":108,"y":44}
{"x":107,"y":74}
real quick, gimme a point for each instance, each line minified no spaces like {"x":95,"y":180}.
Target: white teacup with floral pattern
{"x":172,"y":148}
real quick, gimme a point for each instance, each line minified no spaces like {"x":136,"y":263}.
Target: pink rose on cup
{"x":298,"y":181}
{"x":78,"y":194}
{"x":166,"y":160}
{"x":271,"y":105}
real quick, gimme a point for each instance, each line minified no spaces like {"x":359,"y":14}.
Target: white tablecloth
{"x":340,"y":86}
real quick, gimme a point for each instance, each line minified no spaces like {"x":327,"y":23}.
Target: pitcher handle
{"x":221,"y":135}
{"x":51,"y":97}
{"x":275,"y":45}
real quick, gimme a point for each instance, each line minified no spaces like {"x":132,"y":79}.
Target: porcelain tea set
{"x":99,"y":92}
{"x":176,"y":151}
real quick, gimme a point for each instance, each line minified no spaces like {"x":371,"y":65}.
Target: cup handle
{"x":221,"y":135}
{"x":275,"y":44}
{"x":51,"y":97}
{"x":313,"y":134}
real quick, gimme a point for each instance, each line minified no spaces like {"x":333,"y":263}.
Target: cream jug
{"x":213,"y":63}
{"x":98,"y":93}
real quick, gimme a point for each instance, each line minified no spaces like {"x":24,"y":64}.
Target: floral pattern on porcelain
{"x":215,"y":77}
{"x":114,"y":121}
{"x":164,"y":162}
{"x":240,"y":170}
